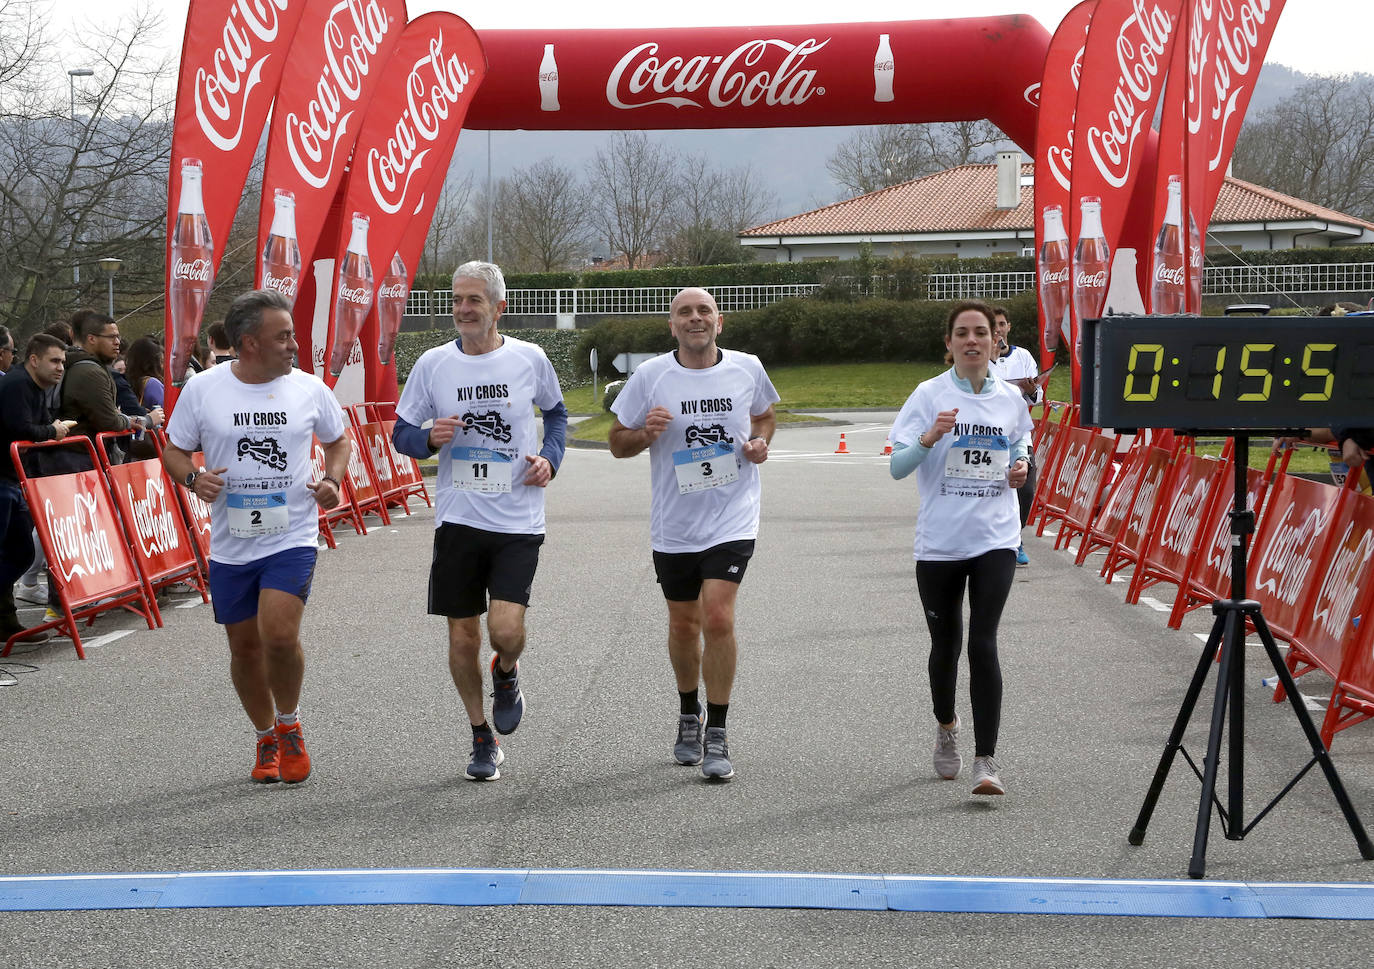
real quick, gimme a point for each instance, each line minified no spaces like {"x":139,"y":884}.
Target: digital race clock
{"x":1228,"y":373}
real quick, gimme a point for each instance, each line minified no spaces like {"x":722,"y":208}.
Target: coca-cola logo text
{"x":221,"y":95}
{"x":376,"y":444}
{"x":1185,"y":516}
{"x":1336,"y":599}
{"x":153,"y":520}
{"x":1140,"y":45}
{"x":352,"y":35}
{"x":196,"y":270}
{"x":81,"y":543}
{"x":1164,"y":274}
{"x":727,"y":78}
{"x":1097,"y":280}
{"x":433,"y":89}
{"x":357,"y":295}
{"x":1068,"y":472}
{"x":1053,"y":277}
{"x":1239,"y":32}
{"x":393,"y":291}
{"x":286,"y":285}
{"x":1286,"y":562}
{"x":1059,"y":158}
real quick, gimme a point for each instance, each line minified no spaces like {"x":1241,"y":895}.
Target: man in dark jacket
{"x":89,"y":395}
{"x":24,"y":416}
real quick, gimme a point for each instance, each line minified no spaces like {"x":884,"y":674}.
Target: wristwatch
{"x":190,"y":481}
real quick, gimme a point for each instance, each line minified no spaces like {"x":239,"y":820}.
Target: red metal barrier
{"x":363,"y":475}
{"x":1087,"y":490}
{"x":1063,"y":477}
{"x":1111,"y":518}
{"x":347,"y":508}
{"x":197,"y":516}
{"x":1347,"y":616}
{"x":158,"y":535}
{"x":90,"y":568}
{"x":1049,"y":446}
{"x":1172,"y":539}
{"x":1146,"y":506}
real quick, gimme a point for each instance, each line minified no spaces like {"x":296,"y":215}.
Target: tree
{"x":452,"y":213}
{"x":886,"y":155}
{"x":713,"y":207}
{"x":543,"y":213}
{"x":632,"y":184}
{"x":74,"y":190}
{"x":1317,"y":144}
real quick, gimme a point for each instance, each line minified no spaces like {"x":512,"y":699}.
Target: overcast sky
{"x":1306,"y":37}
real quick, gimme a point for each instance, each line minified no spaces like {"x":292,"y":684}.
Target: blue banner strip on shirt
{"x":899,"y":893}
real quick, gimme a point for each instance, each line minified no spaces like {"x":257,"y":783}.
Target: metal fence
{"x":1352,"y":277}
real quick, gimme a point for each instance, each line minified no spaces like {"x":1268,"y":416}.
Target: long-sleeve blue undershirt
{"x":414,"y":441}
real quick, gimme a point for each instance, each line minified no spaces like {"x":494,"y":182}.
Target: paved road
{"x":136,"y":759}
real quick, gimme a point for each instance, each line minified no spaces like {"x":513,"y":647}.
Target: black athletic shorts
{"x":471,"y":563}
{"x":681,"y":573}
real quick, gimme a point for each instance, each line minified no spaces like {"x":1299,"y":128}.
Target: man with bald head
{"x":706,"y":417}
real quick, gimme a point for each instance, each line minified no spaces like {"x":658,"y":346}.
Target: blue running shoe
{"x":507,"y":702}
{"x":1021,"y":557}
{"x":487,"y":758}
{"x":690,"y":726}
{"x":715,"y":763}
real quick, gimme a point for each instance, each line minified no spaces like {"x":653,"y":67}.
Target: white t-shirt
{"x":704,"y":491}
{"x":967,"y":507}
{"x":1018,"y":364}
{"x":482,"y":469}
{"x":263,"y":434}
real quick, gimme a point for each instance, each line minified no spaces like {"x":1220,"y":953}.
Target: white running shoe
{"x":948,"y":762}
{"x":985,"y":779}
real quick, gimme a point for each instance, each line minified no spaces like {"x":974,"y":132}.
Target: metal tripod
{"x":1228,"y":636}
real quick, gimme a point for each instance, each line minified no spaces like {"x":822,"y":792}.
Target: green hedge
{"x":796,"y":331}
{"x":559,"y":345}
{"x":1291,"y":257}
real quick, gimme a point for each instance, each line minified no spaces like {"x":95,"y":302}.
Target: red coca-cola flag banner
{"x":1124,"y":64}
{"x":232,"y":57}
{"x":334,"y":67}
{"x":1175,"y":280}
{"x":761,"y":77}
{"x":405,"y":145}
{"x":1053,"y":172}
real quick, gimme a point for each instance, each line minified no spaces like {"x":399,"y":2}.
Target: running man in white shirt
{"x":966,"y":434}
{"x":706,"y":416}
{"x":1017,"y":366}
{"x":472,"y":402}
{"x":255,"y":420}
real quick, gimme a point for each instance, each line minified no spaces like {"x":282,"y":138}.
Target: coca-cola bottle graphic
{"x":281,"y":257}
{"x":884,"y":69}
{"x":1195,"y":255}
{"x":1167,"y":292}
{"x":1091,"y":262}
{"x":355,"y":295}
{"x":1053,"y":267}
{"x":391,"y":306}
{"x":193,"y":252}
{"x":548,"y":81}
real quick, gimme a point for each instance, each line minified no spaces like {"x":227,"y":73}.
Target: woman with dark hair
{"x":144,"y":371}
{"x":966,"y":433}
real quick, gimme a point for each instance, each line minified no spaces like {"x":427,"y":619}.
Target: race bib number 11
{"x":480,"y":469}
{"x":704,"y":468}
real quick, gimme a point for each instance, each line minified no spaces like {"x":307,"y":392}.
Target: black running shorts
{"x":470,"y":564}
{"x":681,"y":573}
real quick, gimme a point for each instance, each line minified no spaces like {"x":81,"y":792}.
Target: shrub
{"x":559,"y":345}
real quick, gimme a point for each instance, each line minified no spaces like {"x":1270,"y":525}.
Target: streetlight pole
{"x":111,"y":266}
{"x":72,"y":75}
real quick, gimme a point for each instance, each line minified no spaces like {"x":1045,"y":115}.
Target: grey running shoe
{"x":507,"y":702}
{"x":948,"y":763}
{"x":715,"y":764}
{"x":486,"y":760}
{"x":985,"y":779}
{"x":690,"y":726}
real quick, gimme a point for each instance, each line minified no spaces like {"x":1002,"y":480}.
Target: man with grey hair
{"x":472,"y":402}
{"x":255,"y":421}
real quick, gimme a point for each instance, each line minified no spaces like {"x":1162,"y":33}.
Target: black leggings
{"x":941,"y":586}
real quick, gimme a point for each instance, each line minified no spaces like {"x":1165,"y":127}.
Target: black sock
{"x":715,"y":713}
{"x":689,"y":702}
{"x":480,"y":728}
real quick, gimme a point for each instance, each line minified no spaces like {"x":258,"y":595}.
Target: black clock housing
{"x":1228,"y":373}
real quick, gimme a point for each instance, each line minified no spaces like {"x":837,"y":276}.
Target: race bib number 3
{"x":704,"y":468}
{"x":257,"y":515}
{"x":979,"y":457}
{"x":480,"y":469}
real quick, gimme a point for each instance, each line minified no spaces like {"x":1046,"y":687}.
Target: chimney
{"x":1008,"y":179}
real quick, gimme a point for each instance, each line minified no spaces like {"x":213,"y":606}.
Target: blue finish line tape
{"x":898,"y":893}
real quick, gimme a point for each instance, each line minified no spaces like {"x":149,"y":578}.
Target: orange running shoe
{"x":267,"y":770}
{"x":295,"y":762}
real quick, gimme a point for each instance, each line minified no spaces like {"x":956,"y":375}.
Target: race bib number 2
{"x":480,"y":469}
{"x":978,"y":457}
{"x":704,"y":468}
{"x":257,"y":515}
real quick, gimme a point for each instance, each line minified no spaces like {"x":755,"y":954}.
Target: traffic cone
{"x":887,"y":448}
{"x":843,"y":448}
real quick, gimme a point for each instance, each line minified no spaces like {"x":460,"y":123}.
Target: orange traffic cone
{"x":843,"y":448}
{"x":887,"y":448}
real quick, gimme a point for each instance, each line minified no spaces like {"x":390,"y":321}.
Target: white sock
{"x":264,"y":733}
{"x":289,"y":719}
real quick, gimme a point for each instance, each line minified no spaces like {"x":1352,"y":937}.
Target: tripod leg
{"x":1319,"y":750}
{"x":1185,"y":713}
{"x":1233,"y":626}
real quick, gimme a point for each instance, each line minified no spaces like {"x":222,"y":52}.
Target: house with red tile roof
{"x":955,"y":213}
